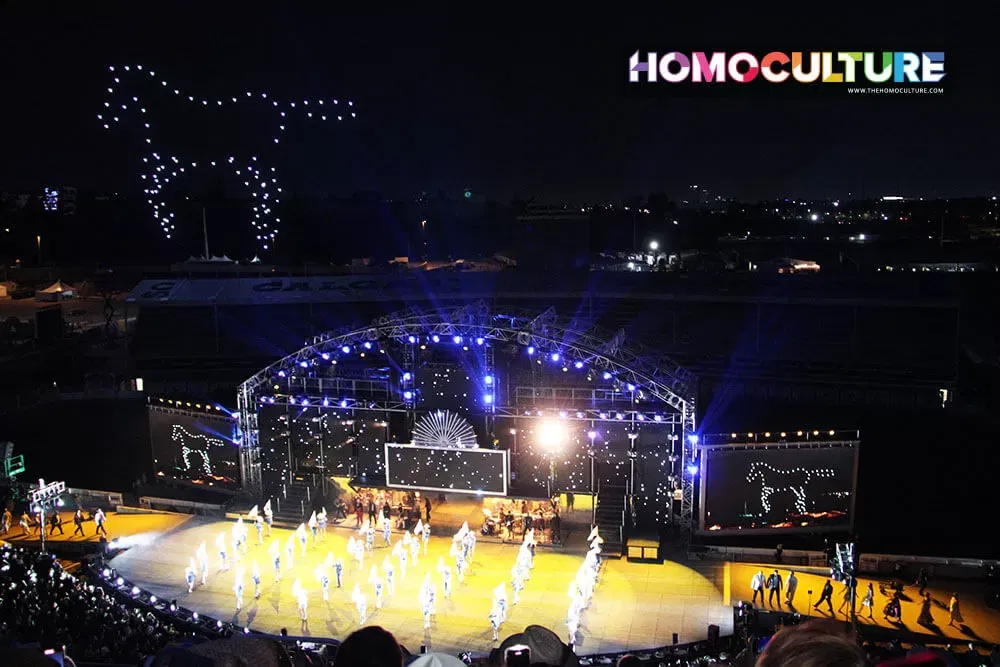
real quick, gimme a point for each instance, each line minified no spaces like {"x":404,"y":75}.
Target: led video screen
{"x":478,"y":471}
{"x":778,"y":488}
{"x":195,"y":446}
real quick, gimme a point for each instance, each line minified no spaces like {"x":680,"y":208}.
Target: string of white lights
{"x":159,"y":170}
{"x":792,"y":480}
{"x":186,"y":441}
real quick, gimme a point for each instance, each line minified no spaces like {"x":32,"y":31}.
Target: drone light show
{"x":137,"y":98}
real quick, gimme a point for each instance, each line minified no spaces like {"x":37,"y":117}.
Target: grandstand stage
{"x":635,"y":605}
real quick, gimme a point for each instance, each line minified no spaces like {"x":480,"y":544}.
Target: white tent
{"x":57,"y":291}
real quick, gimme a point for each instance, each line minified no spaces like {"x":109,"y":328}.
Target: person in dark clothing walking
{"x":78,"y":521}
{"x":55,"y":523}
{"x":826,"y":595}
{"x":372,"y":512}
{"x":922,"y":579}
{"x":427,"y":508}
{"x":774,"y":586}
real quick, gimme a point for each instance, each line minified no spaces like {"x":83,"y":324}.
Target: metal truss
{"x":659,"y":377}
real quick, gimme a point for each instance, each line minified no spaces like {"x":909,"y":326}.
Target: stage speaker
{"x":713,"y":635}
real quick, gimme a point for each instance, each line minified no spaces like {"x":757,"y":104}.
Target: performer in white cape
{"x":425,"y":536}
{"x":376,"y":581}
{"x":290,"y":552}
{"x":386,"y":531}
{"x":369,"y":537}
{"x":303,"y":535}
{"x":415,"y":547}
{"x":190,"y":573}
{"x":390,"y":575}
{"x":338,"y":569}
{"x":258,"y":523}
{"x":302,"y":597}
{"x":496,"y":620}
{"x":360,"y":603}
{"x":238,"y":544}
{"x":255,"y":577}
{"x":238,"y":587}
{"x":400,"y":552}
{"x":445,"y":571}
{"x":268,"y":517}
{"x":321,"y":520}
{"x":517,"y":583}
{"x":322,"y":574}
{"x":427,"y":600}
{"x":220,"y":544}
{"x":573,"y":624}
{"x":314,"y":526}
{"x":500,"y":599}
{"x":274,"y":551}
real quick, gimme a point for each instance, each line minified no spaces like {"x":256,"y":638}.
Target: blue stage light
{"x":578,"y":365}
{"x":326,"y":402}
{"x":555,"y":356}
{"x":304,"y":364}
{"x":488,"y":380}
{"x":531,"y":349}
{"x":457,"y":340}
{"x":488,"y":399}
{"x":407,"y":395}
{"x":436,"y":338}
{"x":305,"y":401}
{"x":641,"y":418}
{"x":346,"y":349}
{"x":326,"y":356}
{"x":693,"y":439}
{"x":343,"y":403}
{"x":692,"y":470}
{"x":281,"y":374}
{"x":368,"y":345}
{"x":412,"y":340}
{"x":407,"y":377}
{"x":631,"y":387}
{"x":607,"y":375}
{"x":479,"y":341}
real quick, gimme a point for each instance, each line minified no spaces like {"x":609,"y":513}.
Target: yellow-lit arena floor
{"x":635,"y":605}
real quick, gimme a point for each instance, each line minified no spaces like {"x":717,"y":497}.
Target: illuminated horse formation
{"x":195,"y":445}
{"x":123,"y":105}
{"x":794,"y":480}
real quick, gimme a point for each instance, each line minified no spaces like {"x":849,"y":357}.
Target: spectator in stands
{"x":369,"y":647}
{"x":629,"y":661}
{"x":813,"y":644}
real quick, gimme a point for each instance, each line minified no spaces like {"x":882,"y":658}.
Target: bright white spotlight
{"x":552,"y":434}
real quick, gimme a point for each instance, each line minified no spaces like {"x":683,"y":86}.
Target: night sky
{"x":517,"y":103}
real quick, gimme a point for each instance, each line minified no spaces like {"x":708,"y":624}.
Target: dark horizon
{"x":516,"y":106}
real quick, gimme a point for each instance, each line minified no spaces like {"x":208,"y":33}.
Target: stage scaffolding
{"x":665,"y":385}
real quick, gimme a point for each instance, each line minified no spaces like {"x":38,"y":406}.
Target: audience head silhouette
{"x":813,"y":644}
{"x":369,"y":647}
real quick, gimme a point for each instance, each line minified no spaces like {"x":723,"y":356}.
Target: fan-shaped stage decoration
{"x":444,"y":428}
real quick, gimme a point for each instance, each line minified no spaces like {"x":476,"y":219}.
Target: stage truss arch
{"x":629,"y":363}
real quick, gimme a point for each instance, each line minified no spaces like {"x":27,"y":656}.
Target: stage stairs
{"x":295,"y":501}
{"x":611,"y":519}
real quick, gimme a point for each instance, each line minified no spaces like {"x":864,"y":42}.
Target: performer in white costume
{"x":376,"y":581}
{"x":445,"y":571}
{"x":190,"y":573}
{"x":255,"y":577}
{"x":238,"y":588}
{"x":390,"y":575}
{"x":358,"y":598}
{"x":427,"y":600}
{"x":302,"y":533}
{"x":220,"y":544}
{"x":274,"y":551}
{"x":290,"y":552}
